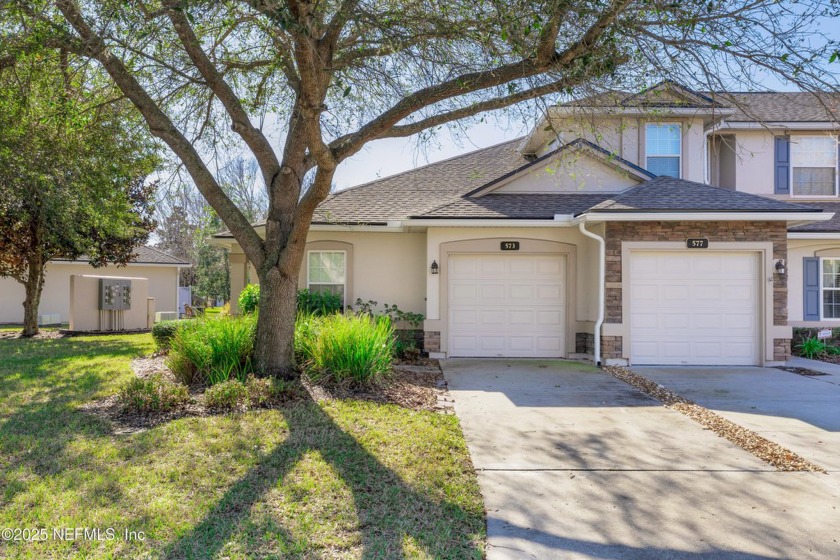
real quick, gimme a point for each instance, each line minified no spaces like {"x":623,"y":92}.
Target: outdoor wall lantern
{"x":435,"y":267}
{"x":780,"y":266}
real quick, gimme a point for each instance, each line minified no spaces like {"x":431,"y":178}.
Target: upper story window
{"x":663,"y":149}
{"x":813,"y":166}
{"x":327,"y":272}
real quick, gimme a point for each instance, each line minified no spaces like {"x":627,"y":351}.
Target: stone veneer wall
{"x":431,"y":341}
{"x":584,"y":343}
{"x":617,"y":232}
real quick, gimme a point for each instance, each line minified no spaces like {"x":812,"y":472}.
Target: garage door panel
{"x":521,"y":292}
{"x":707,"y":316}
{"x":486,"y":268}
{"x":515,"y":305}
{"x":491,"y":292}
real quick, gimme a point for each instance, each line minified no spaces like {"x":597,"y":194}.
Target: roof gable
{"x":668,"y":93}
{"x":577,"y":167}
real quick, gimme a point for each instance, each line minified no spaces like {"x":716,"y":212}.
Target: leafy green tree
{"x":72,"y":169}
{"x":334,"y":75}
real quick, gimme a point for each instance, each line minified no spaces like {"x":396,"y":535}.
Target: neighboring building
{"x":716,"y":215}
{"x":162,"y":270}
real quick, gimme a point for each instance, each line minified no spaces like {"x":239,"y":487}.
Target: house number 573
{"x":510,"y":245}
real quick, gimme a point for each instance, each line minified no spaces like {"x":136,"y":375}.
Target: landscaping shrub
{"x":163,"y":332}
{"x":347,"y":348}
{"x":152,"y":394}
{"x":318,"y":303}
{"x":214,"y":350}
{"x":227,"y":395}
{"x":249,"y":299}
{"x":266,"y":391}
{"x":812,"y":347}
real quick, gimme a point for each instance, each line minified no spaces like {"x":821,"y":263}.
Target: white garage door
{"x":507,"y":305}
{"x":698,"y":308}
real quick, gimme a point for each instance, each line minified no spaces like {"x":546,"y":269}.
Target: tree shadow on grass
{"x":388,"y":510}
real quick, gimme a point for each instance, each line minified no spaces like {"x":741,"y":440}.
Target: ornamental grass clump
{"x":353,"y":349}
{"x":213,"y":350}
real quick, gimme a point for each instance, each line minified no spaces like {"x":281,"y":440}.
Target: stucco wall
{"x":386,"y":267}
{"x":572,"y":172}
{"x":84,"y":306}
{"x":754,"y":156}
{"x":163,"y":286}
{"x":797,"y":250}
{"x":626,"y":137}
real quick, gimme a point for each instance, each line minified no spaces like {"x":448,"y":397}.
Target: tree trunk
{"x":34,"y":284}
{"x":275,"y":343}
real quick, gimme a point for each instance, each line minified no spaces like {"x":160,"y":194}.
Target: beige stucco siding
{"x":797,"y":250}
{"x":386,"y":267}
{"x":754,"y":154}
{"x":571,"y":172}
{"x":626,"y":137}
{"x":163,"y":286}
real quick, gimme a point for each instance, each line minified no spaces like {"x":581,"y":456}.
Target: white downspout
{"x":602,"y":265}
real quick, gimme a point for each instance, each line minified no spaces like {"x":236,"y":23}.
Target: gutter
{"x":630,"y":216}
{"x":602,"y":261}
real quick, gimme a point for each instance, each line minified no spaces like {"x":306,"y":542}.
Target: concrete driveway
{"x":574,"y":464}
{"x":799,"y":412}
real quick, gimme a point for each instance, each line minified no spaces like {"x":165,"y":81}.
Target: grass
{"x":344,"y":479}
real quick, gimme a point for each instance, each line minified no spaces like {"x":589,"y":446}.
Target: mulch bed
{"x":802,"y":371}
{"x":416,"y":386}
{"x":768,"y":451}
{"x":44,"y":334}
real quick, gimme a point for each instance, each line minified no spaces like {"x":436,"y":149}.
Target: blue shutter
{"x":811,"y":291}
{"x":782,"y":165}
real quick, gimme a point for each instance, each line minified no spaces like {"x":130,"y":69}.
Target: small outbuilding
{"x":160,"y":268}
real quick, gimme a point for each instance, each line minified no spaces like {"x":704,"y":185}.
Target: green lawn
{"x":346,"y":479}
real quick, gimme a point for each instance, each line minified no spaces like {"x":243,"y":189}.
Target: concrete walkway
{"x":576,"y":464}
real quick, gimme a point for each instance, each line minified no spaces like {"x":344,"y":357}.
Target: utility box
{"x":104,"y":303}
{"x":114,"y":294}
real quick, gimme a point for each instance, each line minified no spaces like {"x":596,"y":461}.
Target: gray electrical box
{"x":114,"y":294}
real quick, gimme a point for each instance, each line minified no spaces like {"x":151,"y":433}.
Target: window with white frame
{"x":813,"y":166}
{"x":830,"y":288}
{"x":327,"y":272}
{"x":663,"y":149}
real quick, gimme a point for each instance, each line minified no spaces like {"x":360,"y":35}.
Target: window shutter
{"x":811,"y":285}
{"x":782,"y":165}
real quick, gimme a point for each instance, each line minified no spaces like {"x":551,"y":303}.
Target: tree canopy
{"x":304,"y":84}
{"x":72,"y":170}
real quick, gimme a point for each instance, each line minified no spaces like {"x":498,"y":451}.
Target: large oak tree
{"x":332,"y":75}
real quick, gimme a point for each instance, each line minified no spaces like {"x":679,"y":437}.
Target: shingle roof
{"x":789,"y":107}
{"x":420,"y":190}
{"x":147,"y":255}
{"x":832,"y":225}
{"x":517,"y":206}
{"x":668,"y":194}
{"x":749,"y":106}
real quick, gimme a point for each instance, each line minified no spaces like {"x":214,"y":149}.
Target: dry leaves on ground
{"x":768,"y":451}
